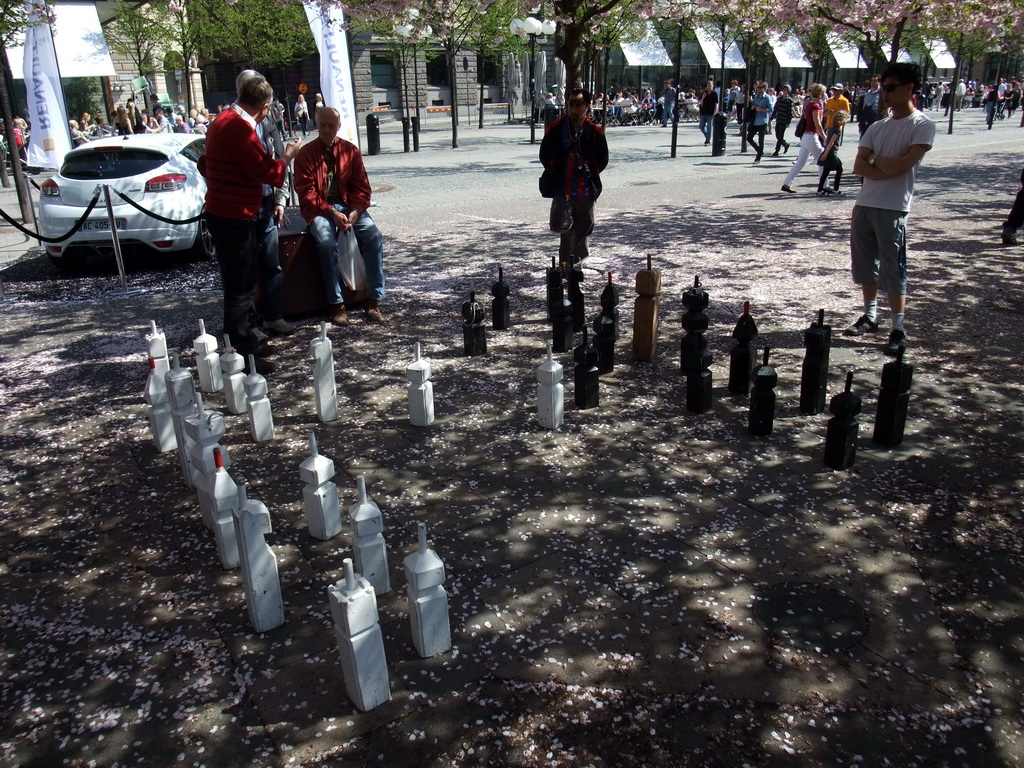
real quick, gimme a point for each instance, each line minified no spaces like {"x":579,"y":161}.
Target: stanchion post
{"x":117,"y":242}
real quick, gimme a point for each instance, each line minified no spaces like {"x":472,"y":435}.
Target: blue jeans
{"x":705,"y":126}
{"x":271,"y":274}
{"x":371,"y":246}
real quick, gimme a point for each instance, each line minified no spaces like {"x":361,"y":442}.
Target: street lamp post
{"x":538,"y":32}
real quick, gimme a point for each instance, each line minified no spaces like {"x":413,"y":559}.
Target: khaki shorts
{"x":878,"y":248}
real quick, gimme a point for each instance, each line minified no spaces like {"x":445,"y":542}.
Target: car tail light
{"x":56,"y":248}
{"x":169,"y":182}
{"x":163,"y":243}
{"x":49,"y":189}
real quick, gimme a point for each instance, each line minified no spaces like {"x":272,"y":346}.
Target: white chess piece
{"x":421,"y":392}
{"x":204,"y":430}
{"x":156,"y":345}
{"x":261,"y":420}
{"x":360,"y":642}
{"x":181,"y":396}
{"x":224,"y":500}
{"x":320,"y":495}
{"x":161,"y":421}
{"x":428,"y":600}
{"x":259,"y":565}
{"x":232,"y":366}
{"x":368,"y":545}
{"x":550,"y":393}
{"x":207,"y":361}
{"x":325,"y":387}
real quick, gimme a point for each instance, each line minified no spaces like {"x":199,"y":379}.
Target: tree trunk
{"x":452,"y":72}
{"x":568,"y":50}
{"x":24,"y":199}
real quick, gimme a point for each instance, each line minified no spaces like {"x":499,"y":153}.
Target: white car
{"x":156,"y":171}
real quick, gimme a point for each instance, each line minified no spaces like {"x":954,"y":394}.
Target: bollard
{"x":719,"y":121}
{"x":372,"y":135}
{"x":415,"y":133}
{"x":405,"y":134}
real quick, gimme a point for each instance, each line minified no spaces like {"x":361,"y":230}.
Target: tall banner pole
{"x":49,"y":140}
{"x":328,"y":27}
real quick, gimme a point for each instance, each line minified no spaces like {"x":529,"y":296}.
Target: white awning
{"x":904,"y":57}
{"x":788,"y":52}
{"x":648,"y":52}
{"x":939,"y":53}
{"x":713,"y":51}
{"x":847,"y":55}
{"x":78,"y":37}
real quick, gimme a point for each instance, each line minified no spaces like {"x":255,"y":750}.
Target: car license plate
{"x":103,"y":225}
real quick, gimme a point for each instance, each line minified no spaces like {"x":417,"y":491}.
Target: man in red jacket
{"x":334,"y":194}
{"x":236,"y":166}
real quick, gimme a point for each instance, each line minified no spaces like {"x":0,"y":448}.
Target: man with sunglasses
{"x":574,"y":152}
{"x":890,"y":151}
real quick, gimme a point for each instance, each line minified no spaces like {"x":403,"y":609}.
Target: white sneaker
{"x":280,"y":326}
{"x":259,"y":335}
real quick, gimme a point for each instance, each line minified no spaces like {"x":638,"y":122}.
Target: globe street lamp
{"x":538,"y":32}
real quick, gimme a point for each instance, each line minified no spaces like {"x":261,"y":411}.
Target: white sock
{"x":871,"y":310}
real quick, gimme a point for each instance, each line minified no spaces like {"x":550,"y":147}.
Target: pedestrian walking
{"x":812,"y":135}
{"x":783,"y":117}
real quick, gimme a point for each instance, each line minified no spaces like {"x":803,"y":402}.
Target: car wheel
{"x":71,"y":260}
{"x":203,"y":248}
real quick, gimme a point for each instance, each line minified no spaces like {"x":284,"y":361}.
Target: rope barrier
{"x":69,"y":233}
{"x":164,"y":219}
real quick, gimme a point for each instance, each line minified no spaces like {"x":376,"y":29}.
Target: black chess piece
{"x":579,"y":312}
{"x":741,"y":357}
{"x":585,"y":374}
{"x":554,"y":288}
{"x":474,"y":335}
{"x":561,"y":323}
{"x":841,"y":435}
{"x":893,"y":401}
{"x":761,"y":418}
{"x":604,"y":330}
{"x":500,"y":304}
{"x":694,"y":356}
{"x":814,"y":374}
{"x":610,"y":305}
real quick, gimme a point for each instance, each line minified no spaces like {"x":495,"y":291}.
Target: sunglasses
{"x":890,"y":87}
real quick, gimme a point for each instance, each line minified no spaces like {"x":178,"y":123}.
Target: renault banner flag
{"x":49,"y":139}
{"x":327,"y":25}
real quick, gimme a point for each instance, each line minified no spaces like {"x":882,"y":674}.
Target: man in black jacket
{"x":574,"y":152}
{"x":783,"y":117}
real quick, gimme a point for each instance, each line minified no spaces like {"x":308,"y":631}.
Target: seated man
{"x":334,"y":193}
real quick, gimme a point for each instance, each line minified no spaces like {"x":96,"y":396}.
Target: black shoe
{"x":775,"y":153}
{"x":706,"y":143}
{"x":1009,"y":236}
{"x":897,"y":342}
{"x":785,"y":149}
{"x":862,"y":326}
{"x":757,"y":160}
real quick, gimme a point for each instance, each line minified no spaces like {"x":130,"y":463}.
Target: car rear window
{"x":111,"y":163}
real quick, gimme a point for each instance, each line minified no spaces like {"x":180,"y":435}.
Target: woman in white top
{"x":302,"y":114}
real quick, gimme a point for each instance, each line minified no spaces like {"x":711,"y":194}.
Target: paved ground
{"x":644,"y":586}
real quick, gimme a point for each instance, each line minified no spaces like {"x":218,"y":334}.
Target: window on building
{"x":382,"y":71}
{"x":437,"y":70}
{"x":487,"y":68}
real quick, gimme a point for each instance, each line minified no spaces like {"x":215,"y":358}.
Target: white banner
{"x":328,"y":30}
{"x":47,"y":116}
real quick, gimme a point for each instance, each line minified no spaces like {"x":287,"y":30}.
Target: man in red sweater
{"x":236,"y":166}
{"x":334,"y":194}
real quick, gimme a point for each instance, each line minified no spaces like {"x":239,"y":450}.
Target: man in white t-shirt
{"x":890,"y":151}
